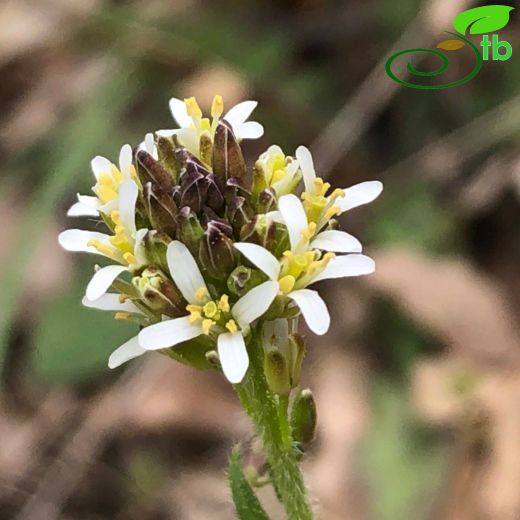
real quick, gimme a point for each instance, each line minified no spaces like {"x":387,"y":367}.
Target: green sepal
{"x":247,"y":505}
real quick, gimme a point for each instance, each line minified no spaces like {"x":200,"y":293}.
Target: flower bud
{"x":276,"y":372}
{"x":166,"y":152}
{"x":160,"y":293}
{"x":240,"y":213}
{"x":295,"y":355}
{"x":189,"y":230}
{"x":156,"y":244}
{"x":304,"y":417}
{"x":242,"y":279}
{"x":261,"y":230}
{"x":227,"y":159}
{"x":150,"y":170}
{"x":206,"y":148}
{"x":161,"y":209}
{"x":217,"y":253}
{"x":266,"y":201}
{"x":193,"y":187}
{"x":214,"y":195}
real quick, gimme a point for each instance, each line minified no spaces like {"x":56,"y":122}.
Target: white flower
{"x":125,"y":246}
{"x":321,"y":207}
{"x":303,"y":265}
{"x":192,"y":124}
{"x":108,"y":182}
{"x":148,"y":145}
{"x":279,"y":171}
{"x":227,"y":324}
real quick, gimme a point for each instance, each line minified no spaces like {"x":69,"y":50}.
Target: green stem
{"x":271,"y":424}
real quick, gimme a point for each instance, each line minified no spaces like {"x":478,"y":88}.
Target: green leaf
{"x":247,"y":504}
{"x":481,"y":20}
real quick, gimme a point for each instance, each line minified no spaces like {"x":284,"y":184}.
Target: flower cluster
{"x":204,"y":252}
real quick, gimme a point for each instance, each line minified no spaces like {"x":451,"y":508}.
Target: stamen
{"x":201,"y":294}
{"x":332,"y":212}
{"x":130,"y":259}
{"x":217,"y":107}
{"x":104,"y":249}
{"x":206,"y":325}
{"x":193,"y":107}
{"x":231,"y":326}
{"x":338,"y":192}
{"x":123,"y":316}
{"x":223,"y":303}
{"x":286,"y":284}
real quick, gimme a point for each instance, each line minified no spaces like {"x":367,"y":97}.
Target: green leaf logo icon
{"x":481,"y":20}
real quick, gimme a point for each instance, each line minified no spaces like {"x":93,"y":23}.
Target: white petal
{"x":125,"y":160}
{"x":261,"y":257}
{"x":89,"y":200}
{"x":184,"y":271}
{"x":102,"y":280}
{"x":111,"y":302}
{"x":168,"y":333}
{"x":100,"y":165}
{"x":233,"y":356}
{"x":347,"y":265}
{"x":240,"y":113}
{"x":125,"y":352}
{"x":359,"y":194}
{"x":82,"y":210}
{"x":304,"y":157}
{"x":167,"y":133}
{"x":249,"y":130}
{"x":337,"y":242}
{"x":254,"y":303}
{"x":275,"y":216}
{"x":180,"y":112}
{"x":294,"y":217}
{"x":128,"y":193}
{"x":313,"y":309}
{"x":77,"y":239}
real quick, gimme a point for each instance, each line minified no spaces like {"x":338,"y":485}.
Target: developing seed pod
{"x":227,"y":159}
{"x":277,"y":372}
{"x":304,"y":417}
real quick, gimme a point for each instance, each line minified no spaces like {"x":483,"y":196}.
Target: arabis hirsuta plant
{"x":214,"y":260}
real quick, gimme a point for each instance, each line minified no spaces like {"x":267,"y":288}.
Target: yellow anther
{"x":308,"y":233}
{"x":194,"y":316}
{"x":289,"y":255}
{"x":309,"y":256}
{"x":307,"y":197}
{"x":210,"y":310}
{"x":104,"y":249}
{"x":320,"y":187}
{"x":123,"y":298}
{"x":129,"y":258}
{"x":286,"y":284}
{"x":115,"y":217}
{"x":193,"y":308}
{"x":338,"y":192}
{"x":193,"y":107}
{"x":332,"y":212}
{"x":201,"y":294}
{"x":206,"y":325}
{"x":223,"y":303}
{"x":123,"y":316}
{"x":117,"y":175}
{"x":217,"y":107}
{"x":231,"y":326}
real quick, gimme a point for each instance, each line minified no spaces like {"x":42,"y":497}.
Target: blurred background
{"x":418,"y":381}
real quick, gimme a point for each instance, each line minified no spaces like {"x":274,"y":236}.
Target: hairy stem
{"x":270,"y":420}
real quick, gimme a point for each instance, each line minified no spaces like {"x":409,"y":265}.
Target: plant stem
{"x":270,"y":420}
